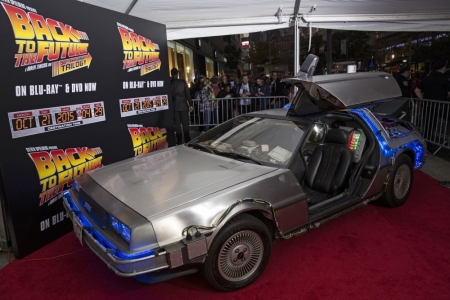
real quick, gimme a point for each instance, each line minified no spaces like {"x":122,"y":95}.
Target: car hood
{"x":157,"y":182}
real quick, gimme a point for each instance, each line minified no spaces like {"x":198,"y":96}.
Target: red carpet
{"x":371,"y":253}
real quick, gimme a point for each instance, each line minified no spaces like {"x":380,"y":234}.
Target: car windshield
{"x":261,"y":140}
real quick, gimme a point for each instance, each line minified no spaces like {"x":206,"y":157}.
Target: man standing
{"x":206,"y":104}
{"x":404,"y":81}
{"x":435,"y":86}
{"x":276,"y":90}
{"x":245,"y":90}
{"x":182,"y":105}
{"x":262,"y":90}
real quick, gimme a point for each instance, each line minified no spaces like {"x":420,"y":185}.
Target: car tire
{"x":400,"y":182}
{"x":238,"y":254}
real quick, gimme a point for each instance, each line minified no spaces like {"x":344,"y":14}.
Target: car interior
{"x":334,"y":149}
{"x":333,"y":162}
{"x":268,"y":141}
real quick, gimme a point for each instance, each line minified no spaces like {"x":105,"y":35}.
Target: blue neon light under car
{"x":99,"y":237}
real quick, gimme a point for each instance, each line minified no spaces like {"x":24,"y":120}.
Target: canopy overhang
{"x":198,"y":18}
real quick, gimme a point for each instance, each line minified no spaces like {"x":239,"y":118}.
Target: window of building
{"x":221,"y":70}
{"x":171,"y":48}
{"x":209,"y":67}
{"x":189,"y":58}
{"x":182,"y":58}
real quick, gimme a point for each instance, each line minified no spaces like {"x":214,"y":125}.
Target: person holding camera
{"x":206,"y":103}
{"x":245,"y":90}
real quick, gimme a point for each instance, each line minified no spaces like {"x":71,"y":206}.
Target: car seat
{"x":328,"y":167}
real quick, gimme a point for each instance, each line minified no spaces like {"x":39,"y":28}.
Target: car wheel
{"x":238,"y":254}
{"x":400,"y":182}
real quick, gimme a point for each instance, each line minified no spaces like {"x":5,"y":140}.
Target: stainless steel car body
{"x":173,"y":189}
{"x":192,"y":187}
{"x":158,"y":195}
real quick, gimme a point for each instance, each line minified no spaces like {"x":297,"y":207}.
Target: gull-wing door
{"x":341,"y":91}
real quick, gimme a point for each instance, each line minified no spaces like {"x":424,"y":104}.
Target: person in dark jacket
{"x":182,"y":105}
{"x":262,"y":90}
{"x":415,"y":83}
{"x":404,"y":81}
{"x":276,"y":90}
{"x":435,"y":86}
{"x":226,"y":106}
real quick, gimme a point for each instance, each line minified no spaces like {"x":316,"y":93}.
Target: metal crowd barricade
{"x":224,"y":109}
{"x":431,"y":117}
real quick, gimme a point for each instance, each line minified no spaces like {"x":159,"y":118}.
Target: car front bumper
{"x":127,"y":267}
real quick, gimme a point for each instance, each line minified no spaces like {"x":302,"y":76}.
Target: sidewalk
{"x":444,"y":154}
{"x":4,"y":257}
{"x":437,"y":168}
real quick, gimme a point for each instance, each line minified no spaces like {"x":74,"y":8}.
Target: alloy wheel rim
{"x":240,"y":255}
{"x":402,"y":181}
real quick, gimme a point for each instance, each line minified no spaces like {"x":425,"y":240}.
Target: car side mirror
{"x":309,"y":66}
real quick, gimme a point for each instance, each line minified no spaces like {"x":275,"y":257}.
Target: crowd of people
{"x":244,"y":87}
{"x":246,"y":94}
{"x":432,"y":86}
{"x":237,"y":96}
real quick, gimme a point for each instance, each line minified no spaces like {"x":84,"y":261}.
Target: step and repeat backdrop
{"x":82,"y":87}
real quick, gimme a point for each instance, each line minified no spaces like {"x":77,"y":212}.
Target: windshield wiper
{"x":198,"y":145}
{"x":237,"y":155}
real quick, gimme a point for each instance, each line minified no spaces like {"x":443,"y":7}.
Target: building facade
{"x":195,"y":57}
{"x":417,"y":49}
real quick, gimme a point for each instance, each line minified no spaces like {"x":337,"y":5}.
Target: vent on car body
{"x":100,"y":217}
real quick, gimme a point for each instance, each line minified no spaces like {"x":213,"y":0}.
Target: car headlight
{"x":121,"y":229}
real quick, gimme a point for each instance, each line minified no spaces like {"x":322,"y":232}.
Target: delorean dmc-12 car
{"x":218,"y":203}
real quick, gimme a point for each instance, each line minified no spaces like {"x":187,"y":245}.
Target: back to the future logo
{"x":57,"y":168}
{"x":147,"y":139}
{"x":139,"y":52}
{"x":46,"y":42}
